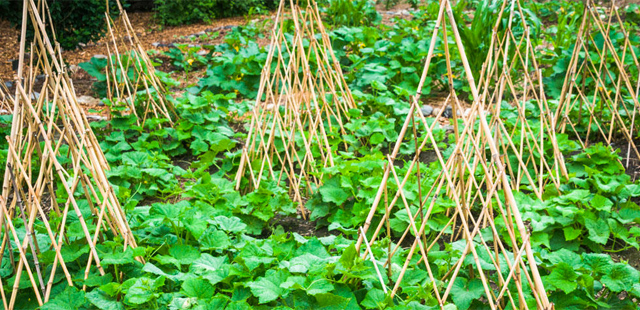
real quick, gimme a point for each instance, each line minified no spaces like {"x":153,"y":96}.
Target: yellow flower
{"x":415,"y":28}
{"x":236,"y":48}
{"x":190,"y":62}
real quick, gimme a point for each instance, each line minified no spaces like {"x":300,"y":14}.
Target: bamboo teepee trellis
{"x":600,"y":90}
{"x":55,"y":176}
{"x":460,"y":203}
{"x":302,"y":105}
{"x":512,"y":76}
{"x":132,"y":84}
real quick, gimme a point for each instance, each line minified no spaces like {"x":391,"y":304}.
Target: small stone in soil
{"x":100,"y":56}
{"x":88,"y":100}
{"x":448,"y":112}
{"x":35,"y":95}
{"x":155,"y":44}
{"x":96,"y":118}
{"x":8,"y":84}
{"x":426,"y":110}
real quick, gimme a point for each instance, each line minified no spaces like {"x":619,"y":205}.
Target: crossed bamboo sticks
{"x":302,"y":105}
{"x":472,"y":189}
{"x":55,"y":176}
{"x":535,"y":158}
{"x":598,"y":60}
{"x":131,"y":78}
{"x":6,"y":102}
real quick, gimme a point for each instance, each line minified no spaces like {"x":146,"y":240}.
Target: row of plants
{"x":207,"y":246}
{"x":576,"y":232}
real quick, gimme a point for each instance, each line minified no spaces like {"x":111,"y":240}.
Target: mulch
{"x":146,"y":28}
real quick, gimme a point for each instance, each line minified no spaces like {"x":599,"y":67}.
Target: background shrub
{"x":74,"y":21}
{"x":351,"y":13}
{"x":178,"y":12}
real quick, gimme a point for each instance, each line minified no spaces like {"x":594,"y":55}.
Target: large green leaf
{"x":268,"y":288}
{"x":598,"y":264}
{"x":621,"y":277}
{"x":465,"y":292}
{"x":331,"y":191}
{"x":214,"y":239}
{"x":601,"y":203}
{"x":375,"y":299}
{"x":563,"y":277}
{"x":598,"y":230}
{"x":213,"y":269}
{"x":104,"y":302}
{"x":184,"y":254}
{"x":70,"y":298}
{"x":143,"y":290}
{"x":198,"y":288}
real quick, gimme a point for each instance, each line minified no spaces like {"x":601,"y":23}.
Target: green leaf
{"x":268,"y":288}
{"x":579,"y":195}
{"x":198,"y":288}
{"x":143,"y":290}
{"x":464,"y":293}
{"x":103,"y":302}
{"x":214,"y":239}
{"x":332,"y":302}
{"x":118,"y":258}
{"x":153,"y":269}
{"x":349,"y":256}
{"x":601,"y":203}
{"x":207,"y":263}
{"x":597,"y":263}
{"x":375,"y":299}
{"x":98,"y":280}
{"x":195,"y":223}
{"x":571,"y":233}
{"x":184,"y":254}
{"x":302,"y":263}
{"x":598,"y":230}
{"x":331,"y":191}
{"x":563,"y":277}
{"x":564,"y":256}
{"x":621,"y":277}
{"x":635,"y":291}
{"x":230,"y":224}
{"x":214,"y":269}
{"x":70,"y":298}
{"x":319,"y":286}
{"x":159,"y":173}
